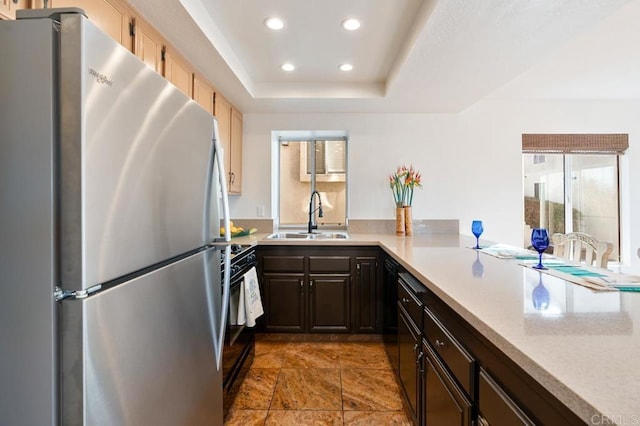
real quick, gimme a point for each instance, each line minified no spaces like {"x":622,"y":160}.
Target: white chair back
{"x":582,"y":248}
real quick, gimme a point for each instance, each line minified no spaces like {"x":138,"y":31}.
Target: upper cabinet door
{"x":222,"y":111}
{"x":203,"y":93}
{"x":235,"y":168}
{"x":147,"y":44}
{"x":8,"y":8}
{"x":111,"y":16}
{"x":178,"y":72}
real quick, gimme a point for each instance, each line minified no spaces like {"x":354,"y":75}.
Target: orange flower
{"x":402,"y":183}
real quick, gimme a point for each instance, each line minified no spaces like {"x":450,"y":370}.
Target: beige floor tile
{"x":376,"y":418}
{"x":269,"y":354}
{"x":370,"y":390}
{"x":363,"y":355}
{"x":246,"y":417}
{"x":307,"y":355}
{"x":257,"y":389}
{"x":304,"y":418}
{"x":307,"y":389}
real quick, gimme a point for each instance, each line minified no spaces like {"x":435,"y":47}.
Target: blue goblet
{"x":540,"y":242}
{"x":476,"y":228}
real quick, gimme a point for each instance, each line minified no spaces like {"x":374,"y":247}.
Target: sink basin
{"x":308,"y":236}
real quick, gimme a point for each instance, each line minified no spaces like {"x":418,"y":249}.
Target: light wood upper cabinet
{"x":147,"y":44}
{"x":8,"y":7}
{"x":203,"y":93}
{"x":177,"y":71}
{"x":222,"y":111}
{"x":230,"y":133}
{"x":112,"y":16}
{"x":235,"y":185}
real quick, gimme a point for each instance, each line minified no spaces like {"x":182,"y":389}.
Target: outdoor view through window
{"x":308,"y":165}
{"x":573,"y":193}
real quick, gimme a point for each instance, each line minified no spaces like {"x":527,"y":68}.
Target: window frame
{"x":294,"y":136}
{"x":570,"y":145}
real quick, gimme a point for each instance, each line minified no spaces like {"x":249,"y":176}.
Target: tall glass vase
{"x":408,"y":221}
{"x":400,"y":221}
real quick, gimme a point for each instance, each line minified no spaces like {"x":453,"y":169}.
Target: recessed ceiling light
{"x":274,"y":23}
{"x":351,"y":24}
{"x":287,"y":67}
{"x":346,"y":67}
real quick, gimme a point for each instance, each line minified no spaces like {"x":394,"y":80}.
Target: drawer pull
{"x":405,"y":300}
{"x":415,"y":347}
{"x":439,"y":343}
{"x":420,"y":355}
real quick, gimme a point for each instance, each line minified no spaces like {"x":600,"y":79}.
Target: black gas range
{"x":239,"y":342}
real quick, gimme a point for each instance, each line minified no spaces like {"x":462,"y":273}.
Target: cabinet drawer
{"x":495,"y":405}
{"x":320,"y":264}
{"x":283,"y":263}
{"x":457,"y":359}
{"x":409,"y":298}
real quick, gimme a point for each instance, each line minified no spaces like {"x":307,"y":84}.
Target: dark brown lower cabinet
{"x":443,"y":402}
{"x":495,"y":405}
{"x":284,"y":302}
{"x":409,"y":352}
{"x":329,"y":303}
{"x":320,"y":289}
{"x":365,"y":288}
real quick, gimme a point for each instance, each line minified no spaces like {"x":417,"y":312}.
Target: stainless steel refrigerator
{"x":112,"y":305}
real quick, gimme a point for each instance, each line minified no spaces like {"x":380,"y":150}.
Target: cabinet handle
{"x":233,"y":177}
{"x":405,"y":300}
{"x":439,"y":343}
{"x":301,"y":283}
{"x":415,"y":347}
{"x":311,"y":283}
{"x":420,"y":355}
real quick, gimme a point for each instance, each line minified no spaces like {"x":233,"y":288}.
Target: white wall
{"x":471,"y":162}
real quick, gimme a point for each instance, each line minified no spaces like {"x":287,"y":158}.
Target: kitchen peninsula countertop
{"x":583,"y":347}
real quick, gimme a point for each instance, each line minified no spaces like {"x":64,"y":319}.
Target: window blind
{"x":606,"y":143}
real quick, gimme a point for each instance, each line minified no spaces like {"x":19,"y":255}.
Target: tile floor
{"x":319,"y":383}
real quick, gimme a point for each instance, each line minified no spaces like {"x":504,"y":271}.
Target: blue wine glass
{"x":540,"y":242}
{"x":476,"y":228}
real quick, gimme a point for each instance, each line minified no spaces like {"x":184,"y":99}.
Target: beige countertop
{"x":584,"y":347}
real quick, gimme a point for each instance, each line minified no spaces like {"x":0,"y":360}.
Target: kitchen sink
{"x":308,"y":236}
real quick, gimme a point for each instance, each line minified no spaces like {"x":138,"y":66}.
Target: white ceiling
{"x":408,"y":56}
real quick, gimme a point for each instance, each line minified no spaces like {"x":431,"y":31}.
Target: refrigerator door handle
{"x":217,"y":158}
{"x":218,"y":338}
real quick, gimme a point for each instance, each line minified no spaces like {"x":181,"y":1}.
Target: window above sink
{"x":306,"y":162}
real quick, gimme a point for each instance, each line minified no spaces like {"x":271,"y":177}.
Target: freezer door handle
{"x":217,"y":317}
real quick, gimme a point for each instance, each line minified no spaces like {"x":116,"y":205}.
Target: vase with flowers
{"x":402,"y":183}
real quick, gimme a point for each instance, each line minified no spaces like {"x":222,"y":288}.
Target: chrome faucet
{"x":313,"y":224}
